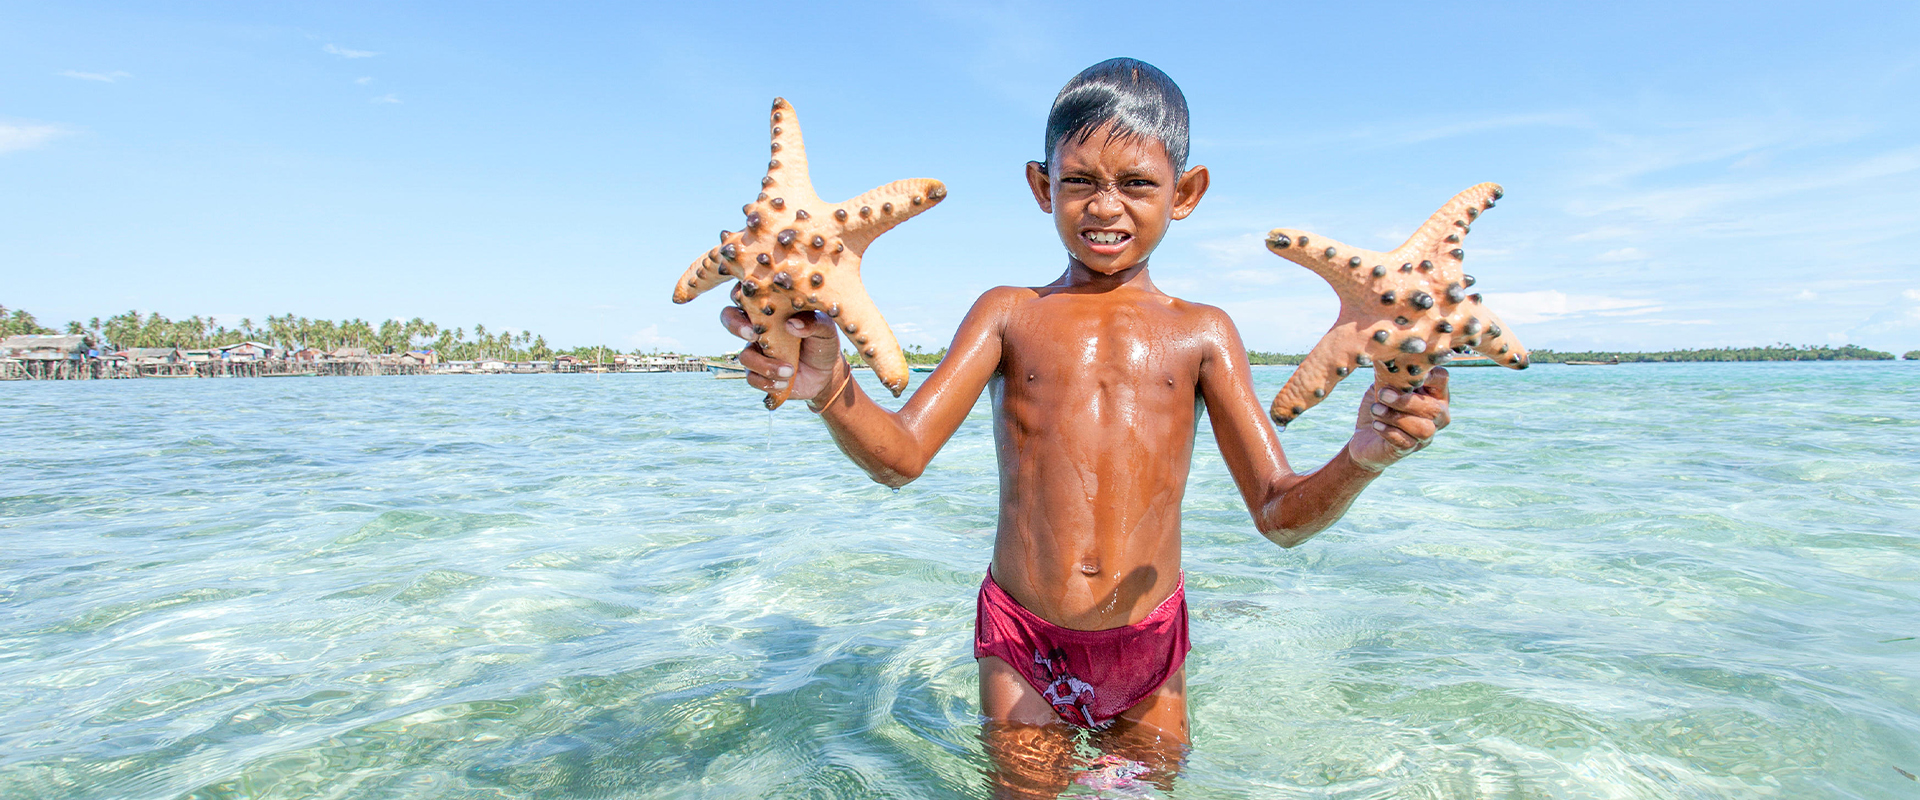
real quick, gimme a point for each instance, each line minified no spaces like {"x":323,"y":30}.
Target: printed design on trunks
{"x":1070,"y":697}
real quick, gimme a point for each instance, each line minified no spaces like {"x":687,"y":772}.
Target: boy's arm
{"x":893,"y":447}
{"x":1289,"y":507}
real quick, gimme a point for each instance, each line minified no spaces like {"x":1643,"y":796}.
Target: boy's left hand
{"x":1394,"y":423}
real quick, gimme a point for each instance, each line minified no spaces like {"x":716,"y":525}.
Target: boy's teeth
{"x":1104,"y":237}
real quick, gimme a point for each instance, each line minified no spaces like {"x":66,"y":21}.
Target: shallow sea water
{"x":1643,"y":581}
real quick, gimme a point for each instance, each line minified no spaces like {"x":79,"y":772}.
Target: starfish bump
{"x":798,"y":253}
{"x":1402,"y":312}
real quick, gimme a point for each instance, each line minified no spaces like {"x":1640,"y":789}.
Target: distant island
{"x":132,"y":345}
{"x":293,"y":334}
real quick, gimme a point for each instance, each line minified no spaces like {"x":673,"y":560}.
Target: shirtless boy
{"x":1098,"y":379}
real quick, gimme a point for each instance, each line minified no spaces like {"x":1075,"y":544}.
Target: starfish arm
{"x":1452,"y":219}
{"x":1500,"y":344}
{"x":787,"y":168}
{"x":702,"y":275}
{"x":877,"y":211}
{"x":860,"y":319}
{"x":1338,"y":354}
{"x":1327,"y":257}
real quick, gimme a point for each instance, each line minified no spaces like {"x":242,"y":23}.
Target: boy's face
{"x":1113,"y":198}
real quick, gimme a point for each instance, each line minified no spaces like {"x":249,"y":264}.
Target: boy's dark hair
{"x":1139,"y":99}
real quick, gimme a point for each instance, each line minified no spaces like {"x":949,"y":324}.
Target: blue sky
{"x":1716,"y":174}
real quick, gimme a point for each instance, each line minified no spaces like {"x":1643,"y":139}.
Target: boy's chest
{"x":1100,"y":348}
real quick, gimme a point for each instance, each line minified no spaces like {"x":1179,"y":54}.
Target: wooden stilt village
{"x":69,"y":357}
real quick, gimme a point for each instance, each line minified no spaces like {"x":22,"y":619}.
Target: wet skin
{"x":1097,"y":382}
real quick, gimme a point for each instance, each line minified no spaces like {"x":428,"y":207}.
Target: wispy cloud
{"x":363,"y":80}
{"x":26,"y":137}
{"x":1622,"y":254}
{"x":345,"y":53}
{"x":386,"y":98}
{"x":1525,"y":307}
{"x":103,"y":77}
{"x":649,"y":338}
{"x":1416,"y":133}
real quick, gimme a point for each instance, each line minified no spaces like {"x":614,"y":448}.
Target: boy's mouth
{"x":1105,"y":240}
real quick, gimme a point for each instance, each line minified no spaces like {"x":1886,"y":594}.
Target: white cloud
{"x":1541,"y":306}
{"x":1603,"y":232}
{"x":1235,"y":250}
{"x":345,"y":53}
{"x":1416,"y":132}
{"x":1622,"y":254}
{"x":363,"y":80}
{"x":103,"y":77}
{"x":26,"y":137}
{"x":649,"y":338}
{"x":386,"y":98}
{"x":1806,"y":294}
{"x":1255,"y":277}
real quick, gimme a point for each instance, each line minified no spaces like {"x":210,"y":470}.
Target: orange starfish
{"x":1401,"y":312}
{"x":799,"y":253}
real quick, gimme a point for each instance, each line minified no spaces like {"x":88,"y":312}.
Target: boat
{"x":724,"y":371}
{"x":922,"y":367}
{"x":1613,"y":363}
{"x":1471,"y":361}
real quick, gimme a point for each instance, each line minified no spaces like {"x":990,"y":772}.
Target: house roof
{"x":28,"y":341}
{"x":260,"y":345}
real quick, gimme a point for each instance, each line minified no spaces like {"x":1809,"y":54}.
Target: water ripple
{"x":1693,"y":581}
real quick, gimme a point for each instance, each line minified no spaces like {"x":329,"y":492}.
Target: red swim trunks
{"x":1088,"y":676}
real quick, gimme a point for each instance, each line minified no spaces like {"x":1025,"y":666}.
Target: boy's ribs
{"x":1401,"y":312}
{"x":798,"y":253}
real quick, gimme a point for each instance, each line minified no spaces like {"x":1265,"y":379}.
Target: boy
{"x":1097,"y":382}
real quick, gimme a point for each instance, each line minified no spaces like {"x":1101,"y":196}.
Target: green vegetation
{"x":1912,"y":355}
{"x":1259,"y":358}
{"x":292,"y":333}
{"x":1778,"y":352}
{"x":20,"y":323}
{"x":914,"y":354}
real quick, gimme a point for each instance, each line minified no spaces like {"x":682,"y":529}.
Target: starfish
{"x":799,"y":253}
{"x":1401,"y":312}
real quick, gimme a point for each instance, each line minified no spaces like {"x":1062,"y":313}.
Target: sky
{"x":1677,"y":175}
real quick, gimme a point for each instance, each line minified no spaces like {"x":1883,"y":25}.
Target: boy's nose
{"x":1106,"y":203}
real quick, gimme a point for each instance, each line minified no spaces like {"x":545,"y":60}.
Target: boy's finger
{"x":759,"y":363}
{"x":1413,"y":402}
{"x":735,"y":321}
{"x":811,"y":323}
{"x":1436,"y":383}
{"x":1396,"y":437}
{"x":1420,"y":428}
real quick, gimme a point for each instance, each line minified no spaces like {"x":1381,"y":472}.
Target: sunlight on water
{"x":1659,"y":581}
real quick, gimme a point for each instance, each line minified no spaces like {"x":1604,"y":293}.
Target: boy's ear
{"x":1188,"y":190}
{"x":1041,"y":184}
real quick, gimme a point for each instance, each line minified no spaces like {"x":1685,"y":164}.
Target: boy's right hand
{"x":819,"y":351}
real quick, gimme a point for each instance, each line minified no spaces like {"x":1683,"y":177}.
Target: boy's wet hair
{"x":1139,"y":99}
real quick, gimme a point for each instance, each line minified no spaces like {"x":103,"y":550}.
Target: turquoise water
{"x":1659,"y":581}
